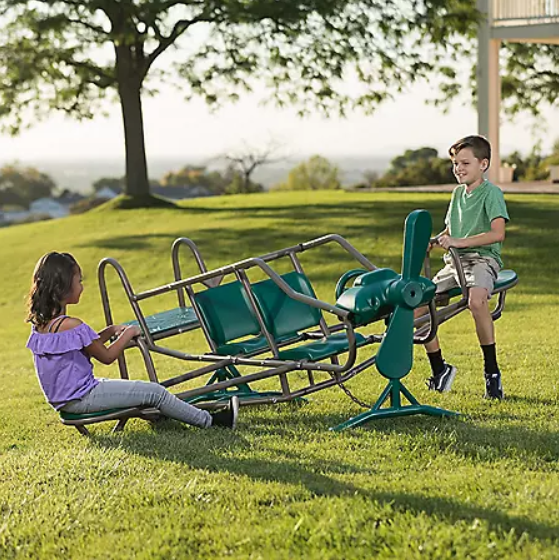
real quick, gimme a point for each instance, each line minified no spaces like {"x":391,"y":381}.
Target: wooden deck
{"x":534,"y":187}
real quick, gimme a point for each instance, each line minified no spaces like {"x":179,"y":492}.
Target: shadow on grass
{"x":369,"y":225}
{"x":222,"y":451}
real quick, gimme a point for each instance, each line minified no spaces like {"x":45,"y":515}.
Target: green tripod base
{"x":393,"y":391}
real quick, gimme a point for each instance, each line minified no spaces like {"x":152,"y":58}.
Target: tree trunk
{"x":129,"y":90}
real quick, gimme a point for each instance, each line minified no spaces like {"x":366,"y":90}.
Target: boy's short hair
{"x":479,"y":145}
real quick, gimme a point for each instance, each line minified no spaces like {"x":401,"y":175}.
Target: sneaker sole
{"x":447,"y":379}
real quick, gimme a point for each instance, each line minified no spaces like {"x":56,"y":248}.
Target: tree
{"x":417,"y":167}
{"x":245,"y":161}
{"x":239,"y":183}
{"x":116,"y":184}
{"x":194,"y":176}
{"x":315,"y":174}
{"x":21,"y":186}
{"x":535,"y":166}
{"x":69,"y":55}
{"x":529,"y":74}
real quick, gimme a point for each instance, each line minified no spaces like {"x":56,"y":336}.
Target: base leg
{"x":83,"y":430}
{"x":120,"y":425}
{"x":395,"y":389}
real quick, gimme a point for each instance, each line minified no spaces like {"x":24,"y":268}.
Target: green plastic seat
{"x":321,"y":349}
{"x":227,"y":314}
{"x":248,"y":346}
{"x":179,"y":318}
{"x":505,"y":279}
{"x":285,"y":317}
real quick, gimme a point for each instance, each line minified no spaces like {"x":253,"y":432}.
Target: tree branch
{"x":179,"y":28}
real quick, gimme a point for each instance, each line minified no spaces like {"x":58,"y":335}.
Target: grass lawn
{"x":484,"y":485}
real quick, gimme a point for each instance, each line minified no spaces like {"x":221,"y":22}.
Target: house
{"x":14,"y":216}
{"x":106,"y":193}
{"x":49,"y":207}
{"x":67,"y":197}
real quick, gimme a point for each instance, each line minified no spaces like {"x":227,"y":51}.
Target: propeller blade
{"x":395,"y":356}
{"x":417,"y":233}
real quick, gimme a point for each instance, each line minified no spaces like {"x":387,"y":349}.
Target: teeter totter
{"x":276,"y":328}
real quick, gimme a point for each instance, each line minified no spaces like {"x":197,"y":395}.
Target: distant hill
{"x":79,"y":175}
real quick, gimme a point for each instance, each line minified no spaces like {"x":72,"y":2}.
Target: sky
{"x":177,"y":128}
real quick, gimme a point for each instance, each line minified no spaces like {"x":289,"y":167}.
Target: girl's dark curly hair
{"x":52,"y":282}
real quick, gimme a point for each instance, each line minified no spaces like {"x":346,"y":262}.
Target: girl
{"x":63,"y":346}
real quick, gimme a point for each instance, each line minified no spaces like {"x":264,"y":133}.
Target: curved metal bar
{"x":176,"y":262}
{"x":250,"y":262}
{"x":346,"y":245}
{"x":460,"y":270}
{"x":108,"y":261}
{"x":148,"y":362}
{"x":434,"y":325}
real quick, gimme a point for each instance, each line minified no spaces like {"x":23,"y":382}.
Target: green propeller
{"x":395,"y":356}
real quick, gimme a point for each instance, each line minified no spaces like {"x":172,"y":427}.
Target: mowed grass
{"x":484,"y":485}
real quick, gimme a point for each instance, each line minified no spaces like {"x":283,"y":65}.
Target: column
{"x":489,"y":87}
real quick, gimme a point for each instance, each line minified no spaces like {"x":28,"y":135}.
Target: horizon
{"x":174,"y":128}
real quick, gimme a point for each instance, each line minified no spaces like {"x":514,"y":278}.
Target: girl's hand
{"x":119,"y":329}
{"x":133,"y":330}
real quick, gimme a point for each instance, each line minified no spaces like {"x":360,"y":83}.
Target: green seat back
{"x":285,"y":317}
{"x":225,"y":311}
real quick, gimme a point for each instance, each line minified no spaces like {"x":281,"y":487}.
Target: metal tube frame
{"x":214,"y":278}
{"x":276,"y":367}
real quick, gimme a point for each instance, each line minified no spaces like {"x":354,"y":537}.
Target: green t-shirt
{"x":472,"y":214}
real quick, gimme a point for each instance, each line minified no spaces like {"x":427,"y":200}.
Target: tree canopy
{"x":70,"y":55}
{"x":417,"y":167}
{"x":317,"y":173}
{"x":19,"y":186}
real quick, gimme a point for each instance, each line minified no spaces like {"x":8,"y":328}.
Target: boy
{"x":475,"y":226}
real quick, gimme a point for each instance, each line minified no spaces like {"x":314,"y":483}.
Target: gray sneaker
{"x":442,"y":382}
{"x":446,"y":378}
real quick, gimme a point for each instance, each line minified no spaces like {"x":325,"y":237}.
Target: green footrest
{"x":179,"y":318}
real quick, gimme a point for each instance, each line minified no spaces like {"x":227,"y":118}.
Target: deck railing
{"x":525,"y":12}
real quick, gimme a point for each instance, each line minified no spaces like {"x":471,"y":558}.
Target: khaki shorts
{"x":480,"y":272}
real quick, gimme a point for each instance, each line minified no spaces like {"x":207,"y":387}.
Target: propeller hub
{"x":408,"y":293}
{"x":412,"y":294}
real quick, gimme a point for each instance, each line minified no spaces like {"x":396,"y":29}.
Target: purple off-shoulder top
{"x":64,"y":370}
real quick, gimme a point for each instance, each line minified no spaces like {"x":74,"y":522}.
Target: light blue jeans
{"x":125,"y":393}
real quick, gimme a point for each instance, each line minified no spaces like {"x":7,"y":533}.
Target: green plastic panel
{"x":226,"y":313}
{"x":243,"y":347}
{"x":417,"y":231}
{"x":285,"y":317}
{"x":181,"y":317}
{"x":395,"y":355}
{"x":320,"y":349}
